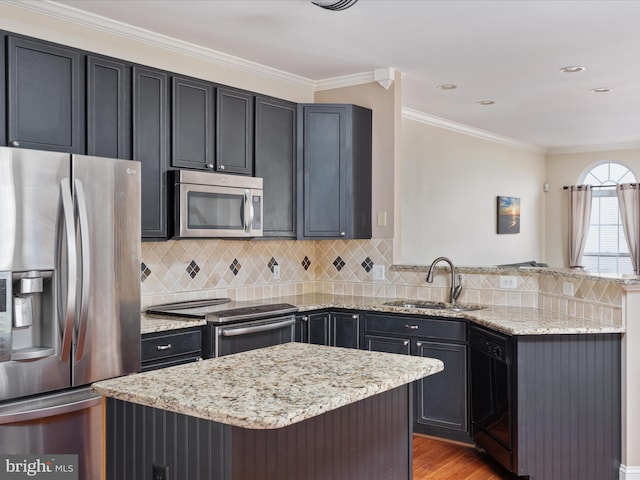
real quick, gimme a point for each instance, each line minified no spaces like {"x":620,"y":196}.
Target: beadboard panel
{"x":577,"y":378}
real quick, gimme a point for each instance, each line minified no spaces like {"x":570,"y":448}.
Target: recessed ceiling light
{"x":601,"y":90}
{"x":447,"y":86}
{"x":486,"y":102}
{"x":575,"y":69}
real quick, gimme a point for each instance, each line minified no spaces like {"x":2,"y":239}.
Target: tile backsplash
{"x":244,"y":270}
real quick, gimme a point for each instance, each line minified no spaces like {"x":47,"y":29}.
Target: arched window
{"x":606,"y":250}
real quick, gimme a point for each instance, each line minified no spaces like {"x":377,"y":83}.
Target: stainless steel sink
{"x":452,"y":307}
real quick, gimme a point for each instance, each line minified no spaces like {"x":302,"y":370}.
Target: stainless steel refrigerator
{"x":69,"y":297}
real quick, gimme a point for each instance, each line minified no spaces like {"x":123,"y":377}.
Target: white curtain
{"x":629,"y":202}
{"x":579,"y":217}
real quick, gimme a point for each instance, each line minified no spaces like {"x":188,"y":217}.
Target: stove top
{"x":223,"y":310}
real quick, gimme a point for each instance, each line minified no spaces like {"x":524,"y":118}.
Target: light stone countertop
{"x":158,"y":323}
{"x":270,"y":387}
{"x":509,"y":320}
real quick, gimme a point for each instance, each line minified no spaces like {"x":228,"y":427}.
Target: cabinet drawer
{"x":416,"y":326}
{"x":170,"y":344}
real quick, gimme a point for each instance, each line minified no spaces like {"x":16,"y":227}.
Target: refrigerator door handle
{"x":85,"y":257}
{"x":69,"y":309}
{"x":49,"y":410}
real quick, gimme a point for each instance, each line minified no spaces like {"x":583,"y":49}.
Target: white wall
{"x":566,"y":169}
{"x":446,"y":198}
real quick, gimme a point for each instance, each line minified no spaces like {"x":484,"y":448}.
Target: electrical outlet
{"x":567,"y":289}
{"x":276,"y":272}
{"x":160,"y":472}
{"x":378,"y":272}
{"x":508,"y":281}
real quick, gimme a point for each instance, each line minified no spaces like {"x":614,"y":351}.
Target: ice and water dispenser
{"x":27,"y":324}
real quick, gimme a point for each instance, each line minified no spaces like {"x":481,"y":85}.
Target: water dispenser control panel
{"x":6,"y":316}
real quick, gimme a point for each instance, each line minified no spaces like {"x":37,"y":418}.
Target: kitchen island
{"x":292,"y":411}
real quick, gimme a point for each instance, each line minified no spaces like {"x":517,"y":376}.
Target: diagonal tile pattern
{"x":189,"y":269}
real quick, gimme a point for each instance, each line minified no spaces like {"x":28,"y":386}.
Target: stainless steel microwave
{"x":216,"y":205}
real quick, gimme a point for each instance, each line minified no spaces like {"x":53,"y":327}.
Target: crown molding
{"x":120,"y":29}
{"x":344,"y":81}
{"x":593,"y":148}
{"x":466,"y":130}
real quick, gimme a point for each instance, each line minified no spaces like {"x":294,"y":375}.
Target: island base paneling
{"x":367,"y":440}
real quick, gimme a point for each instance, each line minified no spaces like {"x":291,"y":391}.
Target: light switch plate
{"x":382,"y":218}
{"x":378,"y":272}
{"x":276,"y":272}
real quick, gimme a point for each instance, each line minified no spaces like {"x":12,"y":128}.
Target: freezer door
{"x":62,"y":423}
{"x":32,"y":193}
{"x":107,"y":339}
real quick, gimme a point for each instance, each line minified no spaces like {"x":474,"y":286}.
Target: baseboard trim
{"x":629,"y":473}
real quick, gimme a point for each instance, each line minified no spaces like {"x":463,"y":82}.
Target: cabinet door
{"x":44,"y":96}
{"x":442,"y":398}
{"x":151,"y":147}
{"x":318,"y":329}
{"x":108,"y":108}
{"x":345,"y":330}
{"x":234,"y":131}
{"x":275,"y":163}
{"x":192,"y":124}
{"x":378,"y":343}
{"x":323,"y":172}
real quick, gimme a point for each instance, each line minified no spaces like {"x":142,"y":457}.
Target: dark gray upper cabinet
{"x":151,"y":146}
{"x":192,"y":131}
{"x":234,"y":131}
{"x":108,"y":108}
{"x":275,"y":163}
{"x":334,"y":171}
{"x":45,"y":96}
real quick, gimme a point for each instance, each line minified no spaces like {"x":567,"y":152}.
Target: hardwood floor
{"x":437,"y":460}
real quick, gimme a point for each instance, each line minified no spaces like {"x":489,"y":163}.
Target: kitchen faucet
{"x":455,"y":290}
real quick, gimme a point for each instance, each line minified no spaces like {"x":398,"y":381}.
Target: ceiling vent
{"x":334,"y":4}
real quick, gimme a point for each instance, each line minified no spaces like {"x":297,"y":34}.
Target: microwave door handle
{"x":67,"y":313}
{"x":248,"y":205}
{"x":86,"y":268}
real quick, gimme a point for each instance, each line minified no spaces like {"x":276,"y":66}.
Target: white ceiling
{"x":506,"y":51}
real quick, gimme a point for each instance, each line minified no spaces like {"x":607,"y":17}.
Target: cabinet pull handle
{"x":418,"y":344}
{"x":14,"y":143}
{"x":164,"y":347}
{"x":405,"y":343}
{"x":221,"y":167}
{"x":305,"y":319}
{"x":209,"y":165}
{"x":412,"y":327}
{"x":343,"y":234}
{"x":355,"y":317}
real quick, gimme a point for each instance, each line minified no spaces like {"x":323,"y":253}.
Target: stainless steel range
{"x":234,"y":327}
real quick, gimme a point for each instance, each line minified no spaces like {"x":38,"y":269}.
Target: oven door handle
{"x":233,"y":332}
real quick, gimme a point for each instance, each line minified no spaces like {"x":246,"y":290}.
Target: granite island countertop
{"x":509,"y":320}
{"x":270,"y":387}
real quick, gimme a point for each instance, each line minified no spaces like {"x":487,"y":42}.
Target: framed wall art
{"x":508,"y":215}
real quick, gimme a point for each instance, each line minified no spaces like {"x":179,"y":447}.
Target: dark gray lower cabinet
{"x":336,"y":329}
{"x":441,"y":400}
{"x":166,"y":349}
